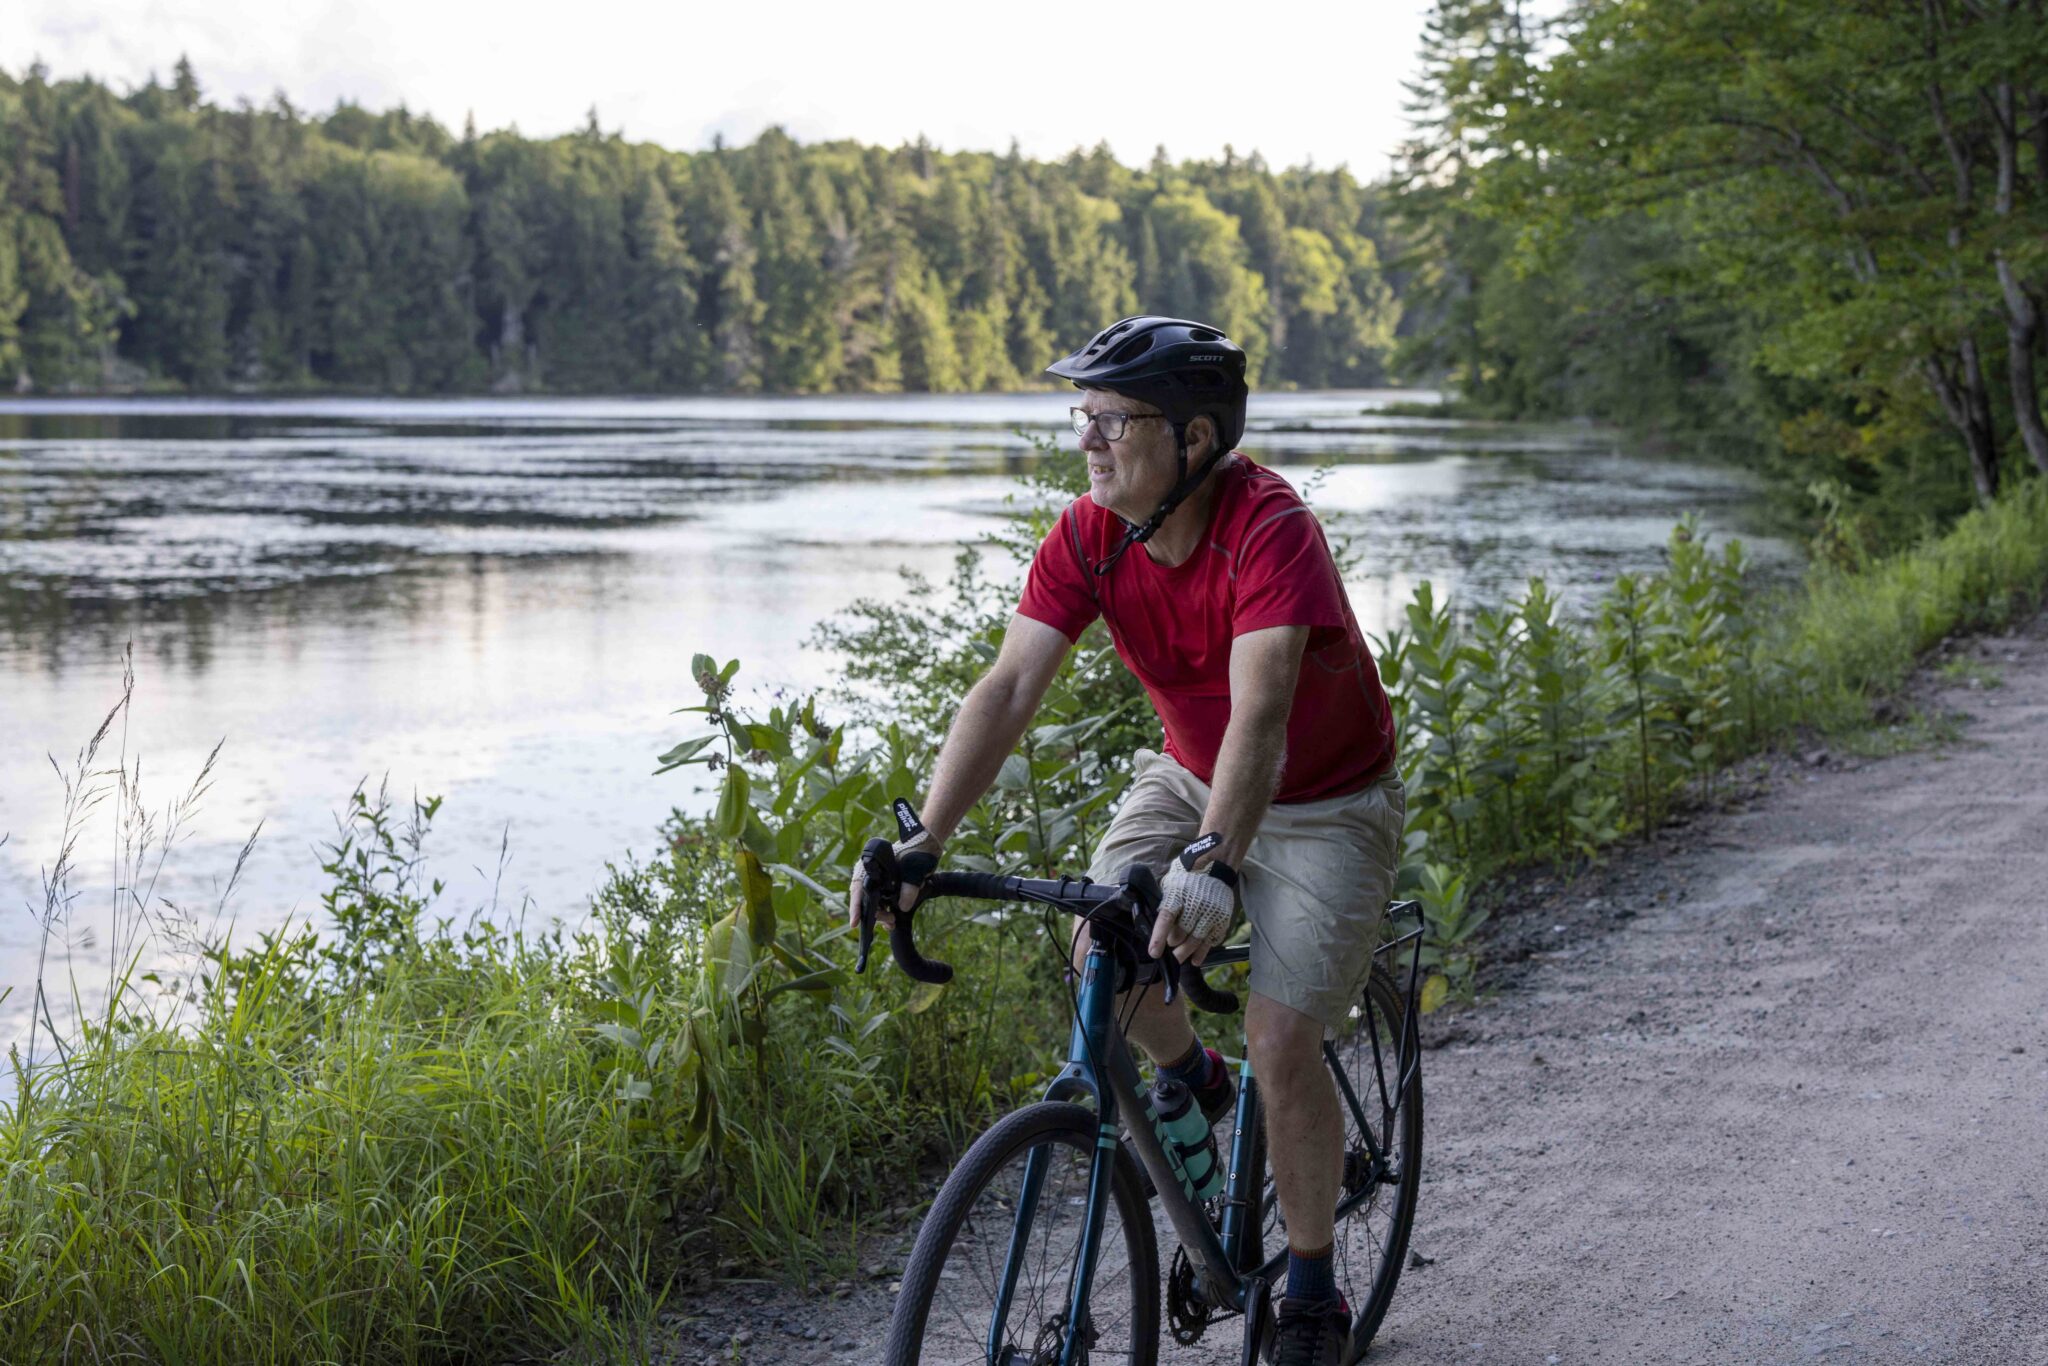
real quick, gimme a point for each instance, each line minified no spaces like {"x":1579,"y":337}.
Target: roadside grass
{"x":1858,"y":634}
{"x":1899,"y":729}
{"x":400,"y":1139}
{"x":1971,"y":673}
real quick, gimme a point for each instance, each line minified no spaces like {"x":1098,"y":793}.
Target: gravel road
{"x":1771,"y":1089}
{"x":1794,"y":1107}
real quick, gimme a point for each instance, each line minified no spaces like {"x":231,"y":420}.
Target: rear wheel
{"x":1030,"y":1172}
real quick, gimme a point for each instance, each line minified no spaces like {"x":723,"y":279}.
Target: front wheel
{"x":992,"y":1277}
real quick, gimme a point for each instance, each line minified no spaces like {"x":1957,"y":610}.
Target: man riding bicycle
{"x":1275,"y":790}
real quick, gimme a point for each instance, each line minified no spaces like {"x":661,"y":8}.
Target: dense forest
{"x":157,"y":236}
{"x":1812,"y":230}
{"x":1807,"y":234}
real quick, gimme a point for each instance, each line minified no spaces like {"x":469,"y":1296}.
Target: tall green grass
{"x":399,"y":1140}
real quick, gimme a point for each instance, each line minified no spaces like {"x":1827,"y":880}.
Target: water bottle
{"x":1184,"y":1132}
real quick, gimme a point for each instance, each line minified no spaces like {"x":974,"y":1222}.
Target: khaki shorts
{"x":1314,"y":886}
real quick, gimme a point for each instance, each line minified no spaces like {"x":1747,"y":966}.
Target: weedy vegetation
{"x":403,"y":1139}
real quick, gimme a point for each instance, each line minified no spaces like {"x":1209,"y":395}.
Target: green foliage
{"x":401,"y":1142}
{"x":314,"y":1166}
{"x":158,"y":236}
{"x":1451,"y":919}
{"x":1801,"y":231}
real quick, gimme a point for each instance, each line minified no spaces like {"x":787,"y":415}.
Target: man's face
{"x":1129,"y":476}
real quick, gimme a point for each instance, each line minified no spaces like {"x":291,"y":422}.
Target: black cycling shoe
{"x":1311,"y":1332}
{"x":1218,"y":1099}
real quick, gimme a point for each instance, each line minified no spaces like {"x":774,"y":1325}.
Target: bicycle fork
{"x":1100,"y":1067}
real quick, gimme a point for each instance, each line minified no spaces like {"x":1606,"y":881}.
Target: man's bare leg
{"x":1304,"y":1128}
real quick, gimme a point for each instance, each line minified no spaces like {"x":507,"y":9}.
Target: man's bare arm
{"x":1265,"y":666}
{"x":990,"y":722}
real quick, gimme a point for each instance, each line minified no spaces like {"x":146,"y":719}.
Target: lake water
{"x":497,"y":600}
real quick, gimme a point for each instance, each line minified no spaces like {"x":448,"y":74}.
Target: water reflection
{"x":497,"y":600}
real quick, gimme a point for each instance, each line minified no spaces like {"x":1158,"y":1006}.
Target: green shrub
{"x":400,"y":1142}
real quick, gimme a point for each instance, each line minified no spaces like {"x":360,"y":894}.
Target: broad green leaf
{"x":684,"y":753}
{"x":799,"y":875}
{"x":623,"y":1035}
{"x":1435,"y":988}
{"x":1015,"y":774}
{"x":757,"y":891}
{"x":768,"y":738}
{"x":925,"y":997}
{"x":728,"y":957}
{"x":754,"y":833}
{"x":824,"y":981}
{"x":731,"y":815}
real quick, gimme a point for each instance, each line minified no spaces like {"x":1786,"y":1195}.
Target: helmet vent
{"x":1111,"y":335}
{"x":1203,"y":334}
{"x":1131,"y":350}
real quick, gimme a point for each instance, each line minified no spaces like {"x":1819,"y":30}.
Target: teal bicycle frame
{"x":1232,"y":1270}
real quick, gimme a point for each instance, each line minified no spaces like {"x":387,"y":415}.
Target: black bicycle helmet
{"x":1184,"y":369}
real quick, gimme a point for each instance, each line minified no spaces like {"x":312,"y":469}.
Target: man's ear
{"x":1201,"y":438}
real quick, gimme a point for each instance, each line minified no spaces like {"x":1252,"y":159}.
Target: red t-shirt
{"x":1263,"y":563}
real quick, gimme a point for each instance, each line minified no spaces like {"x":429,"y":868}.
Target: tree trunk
{"x":2022,"y":332}
{"x":1968,"y":410}
{"x":2022,"y":309}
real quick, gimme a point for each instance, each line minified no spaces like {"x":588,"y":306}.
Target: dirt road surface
{"x":1794,"y":1107}
{"x":1772,"y":1089}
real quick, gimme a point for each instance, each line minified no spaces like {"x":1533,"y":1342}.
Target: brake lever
{"x":1169,"y":973}
{"x":1141,"y":890}
{"x":879,"y":879}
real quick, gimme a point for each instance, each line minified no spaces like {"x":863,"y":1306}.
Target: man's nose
{"x":1091,"y":438}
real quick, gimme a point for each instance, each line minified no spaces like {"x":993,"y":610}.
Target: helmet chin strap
{"x":1137,"y":533}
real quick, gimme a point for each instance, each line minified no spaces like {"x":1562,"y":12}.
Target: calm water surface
{"x":497,"y":600}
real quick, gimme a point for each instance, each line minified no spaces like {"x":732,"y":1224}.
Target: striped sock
{"x":1194,"y":1069}
{"x":1312,"y":1275}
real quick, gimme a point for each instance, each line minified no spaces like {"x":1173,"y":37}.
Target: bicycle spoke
{"x":965,"y":1301}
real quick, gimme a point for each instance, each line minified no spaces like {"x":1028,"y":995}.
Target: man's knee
{"x":1284,"y":1043}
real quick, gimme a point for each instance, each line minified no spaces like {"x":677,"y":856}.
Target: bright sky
{"x":1295,"y":81}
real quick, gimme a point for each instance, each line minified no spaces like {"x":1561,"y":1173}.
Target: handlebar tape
{"x":903,"y":944}
{"x":987,"y":886}
{"x":1205,"y":997}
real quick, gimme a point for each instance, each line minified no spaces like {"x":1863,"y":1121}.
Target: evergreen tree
{"x":661,"y":323}
{"x":728,"y":306}
{"x":800,"y":349}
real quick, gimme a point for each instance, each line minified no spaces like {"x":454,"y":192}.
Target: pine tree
{"x":662,"y":322}
{"x":728,"y":307}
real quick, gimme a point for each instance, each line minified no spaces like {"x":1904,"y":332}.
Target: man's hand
{"x":1194,"y":912}
{"x":886,"y":918}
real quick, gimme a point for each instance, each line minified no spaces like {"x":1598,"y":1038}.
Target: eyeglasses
{"x":1110,"y":425}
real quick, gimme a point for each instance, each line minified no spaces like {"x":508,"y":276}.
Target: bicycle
{"x":1009,"y":1265}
